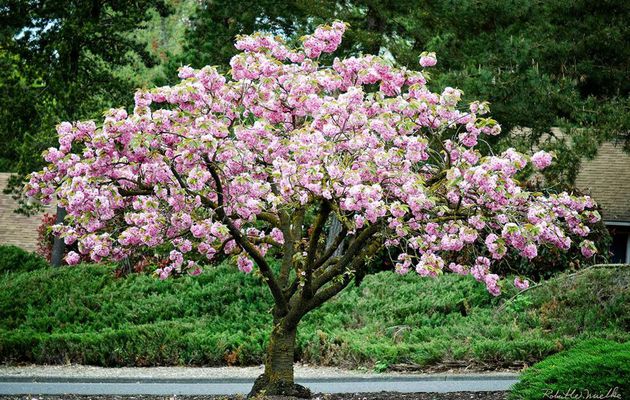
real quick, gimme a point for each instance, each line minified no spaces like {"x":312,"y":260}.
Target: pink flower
{"x":53,"y":155}
{"x":481,"y":268}
{"x":403,"y":267}
{"x":468,"y":139}
{"x":476,"y":222}
{"x":430,"y":265}
{"x":185,"y":246}
{"x":164,"y":273}
{"x":428,"y":59}
{"x":72,"y":258}
{"x":588,"y":248}
{"x":492,"y":284}
{"x":245,"y":264}
{"x":530,"y":251}
{"x":541,"y":160}
{"x":325,"y":39}
{"x":176,"y":257}
{"x":458,"y":268}
{"x":276,"y":234}
{"x":521,"y":284}
{"x":193,"y":268}
{"x":186,"y":72}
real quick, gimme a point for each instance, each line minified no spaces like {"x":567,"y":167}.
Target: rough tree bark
{"x":59,"y":246}
{"x":278,"y":378}
{"x":319,"y":276}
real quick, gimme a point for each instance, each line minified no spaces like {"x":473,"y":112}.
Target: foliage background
{"x":542,"y":64}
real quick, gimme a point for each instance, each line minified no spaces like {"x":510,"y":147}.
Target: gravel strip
{"x":349,"y":396}
{"x":174,"y":373}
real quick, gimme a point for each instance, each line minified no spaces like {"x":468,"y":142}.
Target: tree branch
{"x":266,"y":240}
{"x":270,"y":218}
{"x":300,"y":305}
{"x":356,"y":264}
{"x":287,"y":256}
{"x":185,"y":187}
{"x":354,"y":249}
{"x":329,"y":292}
{"x":331,"y":250}
{"x":135,"y":192}
{"x":292,"y":231}
{"x":265,"y":269}
{"x":324,"y":212}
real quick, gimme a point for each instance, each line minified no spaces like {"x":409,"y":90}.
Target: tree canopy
{"x":255,"y":165}
{"x":540,"y":64}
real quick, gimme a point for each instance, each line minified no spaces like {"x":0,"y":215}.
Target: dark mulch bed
{"x":344,"y":396}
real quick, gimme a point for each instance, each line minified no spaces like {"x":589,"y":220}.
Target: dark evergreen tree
{"x":541,"y":64}
{"x":62,"y":58}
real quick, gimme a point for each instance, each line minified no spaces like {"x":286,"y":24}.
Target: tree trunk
{"x":277,"y":380}
{"x":335,"y":228}
{"x":59,"y":246}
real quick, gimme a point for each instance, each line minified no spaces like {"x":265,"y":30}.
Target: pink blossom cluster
{"x":325,"y":39}
{"x":215,"y":158}
{"x":428,"y":59}
{"x":541,"y":160}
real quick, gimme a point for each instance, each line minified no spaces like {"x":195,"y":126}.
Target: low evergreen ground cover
{"x":595,"y":369}
{"x":85,"y":315}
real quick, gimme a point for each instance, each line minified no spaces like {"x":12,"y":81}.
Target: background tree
{"x":25,"y":107}
{"x":64,"y":60}
{"x":164,"y":39}
{"x":540,"y":64}
{"x":255,"y":164}
{"x":215,"y":25}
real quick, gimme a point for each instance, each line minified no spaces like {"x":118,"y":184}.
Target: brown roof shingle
{"x":607,"y":179}
{"x":17,"y":229}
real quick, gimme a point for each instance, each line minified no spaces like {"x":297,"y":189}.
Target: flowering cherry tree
{"x":258,"y":164}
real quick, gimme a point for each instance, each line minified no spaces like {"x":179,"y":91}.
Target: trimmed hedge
{"x":599,"y":368}
{"x":84,"y":314}
{"x":14,"y":259}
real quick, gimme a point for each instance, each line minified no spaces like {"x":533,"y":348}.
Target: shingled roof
{"x":607,"y":179}
{"x":17,"y":229}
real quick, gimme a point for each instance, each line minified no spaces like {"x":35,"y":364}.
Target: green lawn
{"x":83,"y":314}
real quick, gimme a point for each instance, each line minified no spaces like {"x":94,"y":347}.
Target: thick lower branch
{"x":353,"y":250}
{"x":345,"y":277}
{"x":330,"y":251}
{"x":292,"y":231}
{"x":324,"y":212}
{"x":253,"y":252}
{"x":269,"y":218}
{"x":339,"y":279}
{"x":287,"y":257}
